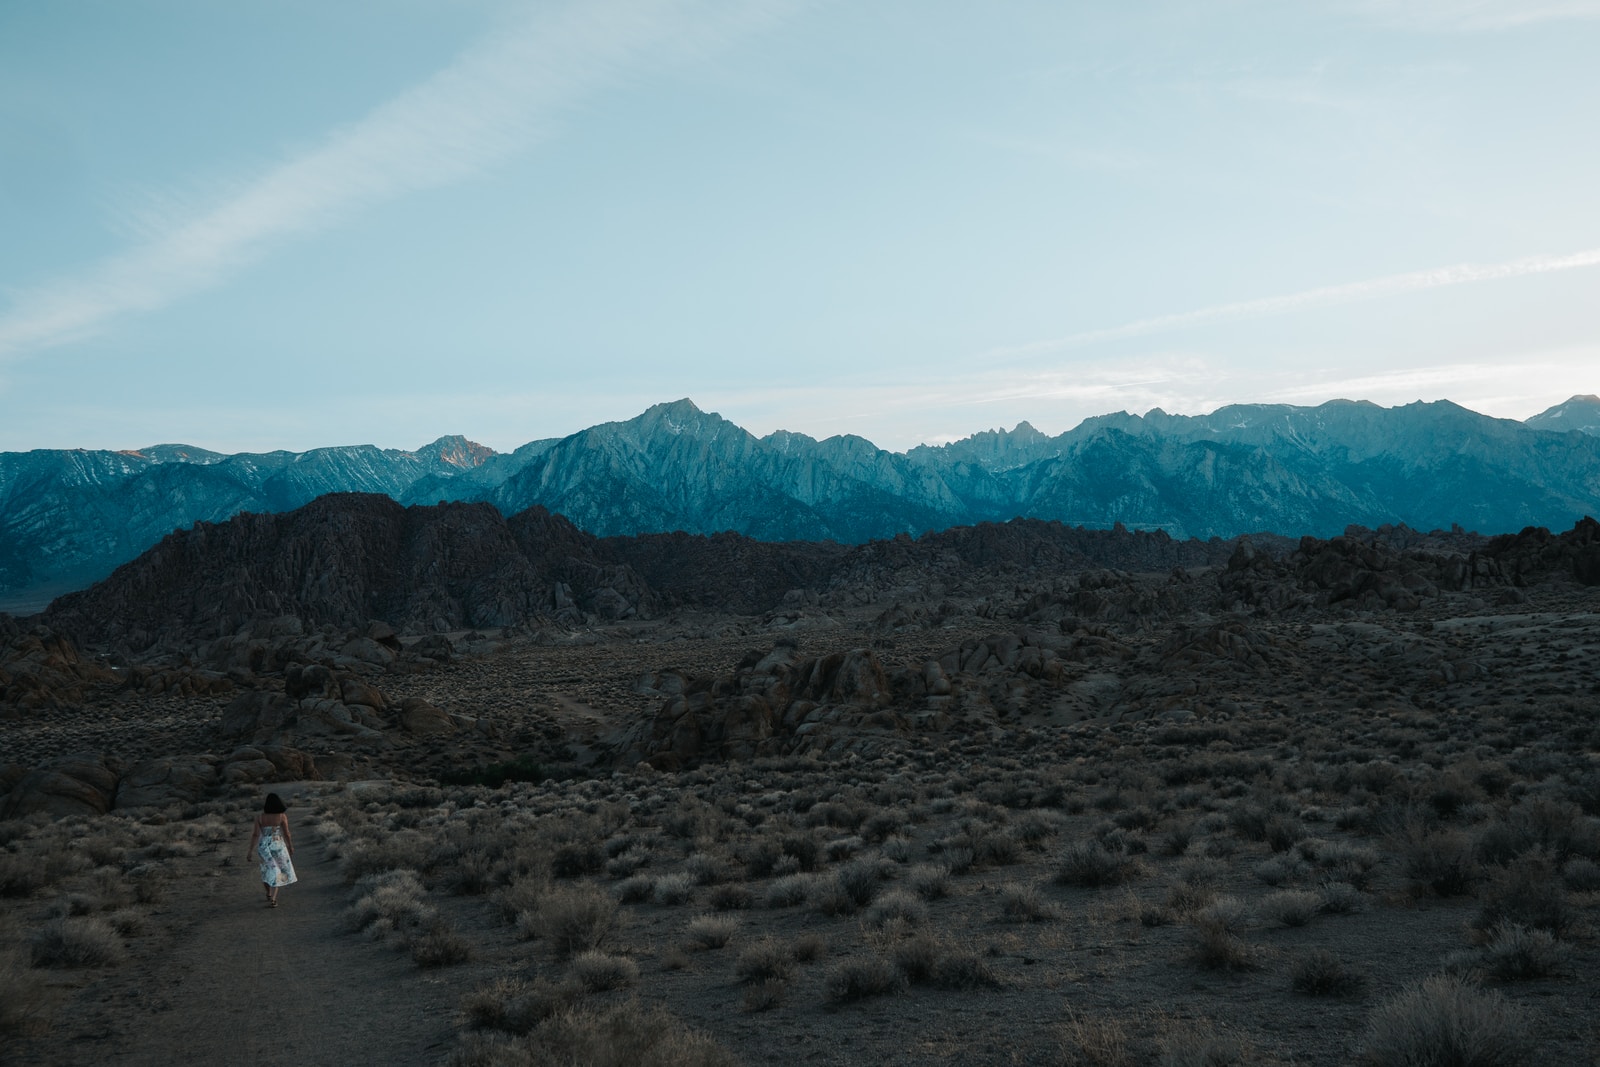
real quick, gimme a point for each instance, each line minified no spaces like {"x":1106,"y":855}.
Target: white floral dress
{"x":277,"y":868}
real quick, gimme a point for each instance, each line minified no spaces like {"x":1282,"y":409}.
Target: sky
{"x":296,"y":224}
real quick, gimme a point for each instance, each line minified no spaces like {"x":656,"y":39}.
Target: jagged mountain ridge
{"x":67,"y":518}
{"x":1580,"y":414}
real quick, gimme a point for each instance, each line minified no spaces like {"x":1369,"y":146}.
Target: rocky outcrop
{"x":84,"y":784}
{"x":1395,"y":568}
{"x":341,"y":562}
{"x":167,"y":780}
{"x":780,"y":702}
{"x":40,"y":668}
{"x":1536,"y":552}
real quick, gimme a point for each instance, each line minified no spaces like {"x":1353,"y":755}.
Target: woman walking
{"x":273,"y":845}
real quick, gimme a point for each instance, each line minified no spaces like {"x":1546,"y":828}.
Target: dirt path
{"x":241,"y":982}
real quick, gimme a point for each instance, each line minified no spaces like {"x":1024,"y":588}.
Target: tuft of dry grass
{"x":575,"y":919}
{"x":599,"y":972}
{"x":862,"y":978}
{"x":1091,"y":864}
{"x":1321,"y":973}
{"x":623,"y":1035}
{"x":765,"y":960}
{"x":709,"y":931}
{"x":440,"y":946}
{"x":76,"y":942}
{"x":763,"y":996}
{"x":1093,"y":1041}
{"x":1444,"y":1020}
{"x":1290,"y":907}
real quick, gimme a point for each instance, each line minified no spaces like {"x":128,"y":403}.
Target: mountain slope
{"x":67,"y":518}
{"x":1579,"y":413}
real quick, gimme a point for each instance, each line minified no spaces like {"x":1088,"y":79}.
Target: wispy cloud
{"x":494,"y":99}
{"x":1325,"y":296}
{"x":1475,"y":15}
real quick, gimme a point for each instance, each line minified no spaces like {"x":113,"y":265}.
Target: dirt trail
{"x":242,"y":982}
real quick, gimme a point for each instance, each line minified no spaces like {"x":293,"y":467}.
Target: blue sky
{"x":285,"y":225}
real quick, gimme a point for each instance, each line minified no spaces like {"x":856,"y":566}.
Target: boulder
{"x":74,"y":785}
{"x":256,"y":714}
{"x":417,"y":716}
{"x":366,"y":650}
{"x":167,"y":780}
{"x":354,"y":690}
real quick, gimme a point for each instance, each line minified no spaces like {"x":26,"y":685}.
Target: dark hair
{"x":274,"y":805}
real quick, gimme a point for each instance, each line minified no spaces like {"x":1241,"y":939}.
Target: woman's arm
{"x":288,"y":838}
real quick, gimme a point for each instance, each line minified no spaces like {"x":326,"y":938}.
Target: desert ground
{"x":1081,"y":818}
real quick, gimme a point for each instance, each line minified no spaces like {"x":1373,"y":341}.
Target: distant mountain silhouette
{"x":69,"y":517}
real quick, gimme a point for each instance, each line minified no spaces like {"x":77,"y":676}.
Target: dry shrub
{"x":1091,"y":864}
{"x":731,"y":897}
{"x":1581,"y":875}
{"x":897,"y":905}
{"x":808,"y":947}
{"x":1341,"y":898}
{"x":789,"y":891}
{"x":929,"y":881}
{"x":858,"y":881}
{"x":863,"y":977}
{"x":75,"y":942}
{"x":1444,"y":1021}
{"x":129,"y":922}
{"x":391,"y":902}
{"x":709,"y":931}
{"x":572,"y":920}
{"x":407,"y":849}
{"x":515,"y":1005}
{"x":763,"y":996}
{"x":1281,"y":869}
{"x":636,"y":890}
{"x":1290,"y":907}
{"x":924,"y":959}
{"x":1023,"y":903}
{"x":1440,"y":860}
{"x":520,"y":896}
{"x":964,"y":969}
{"x":598,"y":972}
{"x":674,"y":888}
{"x":918,"y":957}
{"x":1215,"y":947}
{"x":765,"y":960}
{"x":21,"y":876}
{"x":440,"y":946}
{"x":626,"y":1035}
{"x":1528,"y":893}
{"x":802,"y":848}
{"x":1516,"y":952}
{"x":1093,"y":1041}
{"x":1321,"y":973}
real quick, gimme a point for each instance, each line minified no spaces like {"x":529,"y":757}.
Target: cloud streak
{"x":1325,"y":296}
{"x":494,"y":99}
{"x":1476,"y":15}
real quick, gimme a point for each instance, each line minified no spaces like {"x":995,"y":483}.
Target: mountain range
{"x":69,"y":517}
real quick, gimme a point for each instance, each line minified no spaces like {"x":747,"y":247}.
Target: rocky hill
{"x":347,"y":559}
{"x":68,"y":518}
